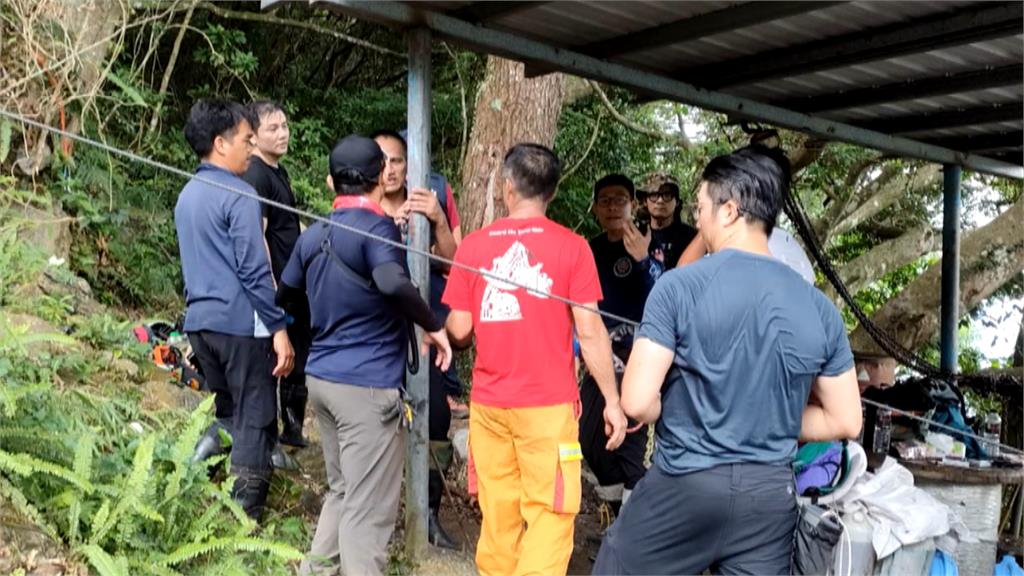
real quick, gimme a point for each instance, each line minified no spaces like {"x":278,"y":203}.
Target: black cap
{"x":356,"y":155}
{"x":615,"y":180}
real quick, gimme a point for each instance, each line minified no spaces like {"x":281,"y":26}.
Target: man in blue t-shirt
{"x":729,"y":353}
{"x":361,"y":302}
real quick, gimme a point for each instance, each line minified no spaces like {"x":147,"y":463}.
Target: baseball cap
{"x":356,"y":154}
{"x":659,"y":182}
{"x":615,"y":180}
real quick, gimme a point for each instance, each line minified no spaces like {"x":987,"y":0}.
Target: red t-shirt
{"x":523,"y":341}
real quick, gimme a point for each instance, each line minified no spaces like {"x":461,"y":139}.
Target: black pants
{"x":238,"y":369}
{"x":731,"y":519}
{"x":624,"y":465}
{"x":293,"y":392}
{"x":439,"y":421}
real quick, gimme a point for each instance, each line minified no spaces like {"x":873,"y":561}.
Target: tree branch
{"x":810,"y":150}
{"x":888,"y":195}
{"x":884,"y":258}
{"x":271,"y":19}
{"x":586,"y":151}
{"x":166,"y":80}
{"x":682,"y":142}
{"x":990,"y":257}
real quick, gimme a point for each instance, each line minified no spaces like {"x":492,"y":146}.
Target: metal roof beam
{"x":980,"y":143}
{"x":950,"y":119}
{"x":508,"y":45}
{"x":972,"y":24}
{"x":1012,"y":75}
{"x":479,"y":12}
{"x":700,"y":26}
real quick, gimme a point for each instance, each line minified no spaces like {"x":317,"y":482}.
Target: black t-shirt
{"x":625,"y":282}
{"x":672,"y":240}
{"x":282,"y":227}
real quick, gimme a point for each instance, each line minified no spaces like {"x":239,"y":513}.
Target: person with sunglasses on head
{"x":661,"y":202}
{"x":627,"y":272}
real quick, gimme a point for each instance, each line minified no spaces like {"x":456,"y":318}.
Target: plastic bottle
{"x":883,"y":431}
{"x":993,"y":425}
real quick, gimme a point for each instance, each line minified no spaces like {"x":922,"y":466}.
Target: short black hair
{"x":756,"y":177}
{"x":351,"y":182}
{"x":261,"y":108}
{"x":393,"y":134}
{"x":533,"y":169}
{"x":615,"y":180}
{"x":209,"y":119}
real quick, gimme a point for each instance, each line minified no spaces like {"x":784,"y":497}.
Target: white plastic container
{"x":858,"y":557}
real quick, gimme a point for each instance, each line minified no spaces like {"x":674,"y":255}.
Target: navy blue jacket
{"x":228,"y":283}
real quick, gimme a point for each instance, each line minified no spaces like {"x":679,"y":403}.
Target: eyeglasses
{"x":695,"y":210}
{"x":612,"y":201}
{"x":663,"y":196}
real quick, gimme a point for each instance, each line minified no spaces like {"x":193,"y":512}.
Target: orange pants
{"x":527,"y":463}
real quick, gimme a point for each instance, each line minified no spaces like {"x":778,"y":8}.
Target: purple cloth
{"x":821,"y":471}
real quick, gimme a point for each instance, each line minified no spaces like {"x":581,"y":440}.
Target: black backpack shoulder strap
{"x":327,"y":249}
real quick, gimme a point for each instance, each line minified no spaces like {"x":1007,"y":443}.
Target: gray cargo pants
{"x":364,"y":458}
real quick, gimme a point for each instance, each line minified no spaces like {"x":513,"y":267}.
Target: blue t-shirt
{"x":358,"y":337}
{"x":749,"y":335}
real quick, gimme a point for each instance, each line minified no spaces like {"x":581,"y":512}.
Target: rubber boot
{"x":435,"y":532}
{"x":210,"y":443}
{"x":251,"y":489}
{"x":293,"y":413}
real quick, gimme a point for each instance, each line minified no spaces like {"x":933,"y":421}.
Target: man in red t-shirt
{"x":523,"y":431}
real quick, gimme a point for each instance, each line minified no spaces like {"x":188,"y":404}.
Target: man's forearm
{"x":444,"y":241}
{"x":597,"y":354}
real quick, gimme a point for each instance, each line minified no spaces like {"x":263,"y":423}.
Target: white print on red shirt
{"x":499,"y":303}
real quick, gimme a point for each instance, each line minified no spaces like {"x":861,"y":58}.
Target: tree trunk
{"x":885,"y":258}
{"x":990,"y":256}
{"x":509,"y":110}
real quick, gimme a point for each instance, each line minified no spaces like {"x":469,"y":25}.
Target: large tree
{"x":509,"y":109}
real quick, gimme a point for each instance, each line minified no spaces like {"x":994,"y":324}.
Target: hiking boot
{"x":282,"y":460}
{"x":436,"y":534}
{"x":210,"y":444}
{"x":251,"y":489}
{"x":292,"y":433}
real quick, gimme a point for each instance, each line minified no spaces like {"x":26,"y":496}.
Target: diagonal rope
{"x":484,"y":273}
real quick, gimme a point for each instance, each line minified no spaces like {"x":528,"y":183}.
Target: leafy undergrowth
{"x":113,"y":483}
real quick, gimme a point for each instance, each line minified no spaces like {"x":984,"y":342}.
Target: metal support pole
{"x":950,"y":267}
{"x":418,"y":385}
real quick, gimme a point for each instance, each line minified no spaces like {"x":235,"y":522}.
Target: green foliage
{"x":127,"y":502}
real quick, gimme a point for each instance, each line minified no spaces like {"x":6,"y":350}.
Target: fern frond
{"x":104,"y":564}
{"x":196,"y":549}
{"x":99,"y":522}
{"x":183,"y":448}
{"x":12,"y":494}
{"x":25,"y":465}
{"x":83,"y":457}
{"x":147,"y":566}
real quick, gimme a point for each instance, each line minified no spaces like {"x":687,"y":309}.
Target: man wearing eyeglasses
{"x":669,"y":234}
{"x":627,"y":272}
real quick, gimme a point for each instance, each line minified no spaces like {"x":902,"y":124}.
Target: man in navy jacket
{"x":235,"y":328}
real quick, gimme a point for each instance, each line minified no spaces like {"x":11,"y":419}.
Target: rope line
{"x":484,"y":273}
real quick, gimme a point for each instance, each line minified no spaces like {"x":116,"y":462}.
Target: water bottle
{"x":883,"y":431}
{"x":992,"y":427}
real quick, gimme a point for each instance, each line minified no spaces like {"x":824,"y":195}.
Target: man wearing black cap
{"x":361,"y":300}
{"x":669,"y":235}
{"x":627,"y":273}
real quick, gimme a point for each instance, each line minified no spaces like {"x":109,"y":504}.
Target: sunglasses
{"x":664,"y":196}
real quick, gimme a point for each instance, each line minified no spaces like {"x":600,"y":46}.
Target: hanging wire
{"x":799,"y":220}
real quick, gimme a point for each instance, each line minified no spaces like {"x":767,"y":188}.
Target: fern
{"x":83,"y":457}
{"x":233,"y":544}
{"x":12,"y":494}
{"x":181,"y":453}
{"x":25,"y":465}
{"x":104,"y":564}
{"x":134,"y":488}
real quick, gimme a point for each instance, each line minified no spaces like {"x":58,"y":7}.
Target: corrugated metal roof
{"x":930,"y":70}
